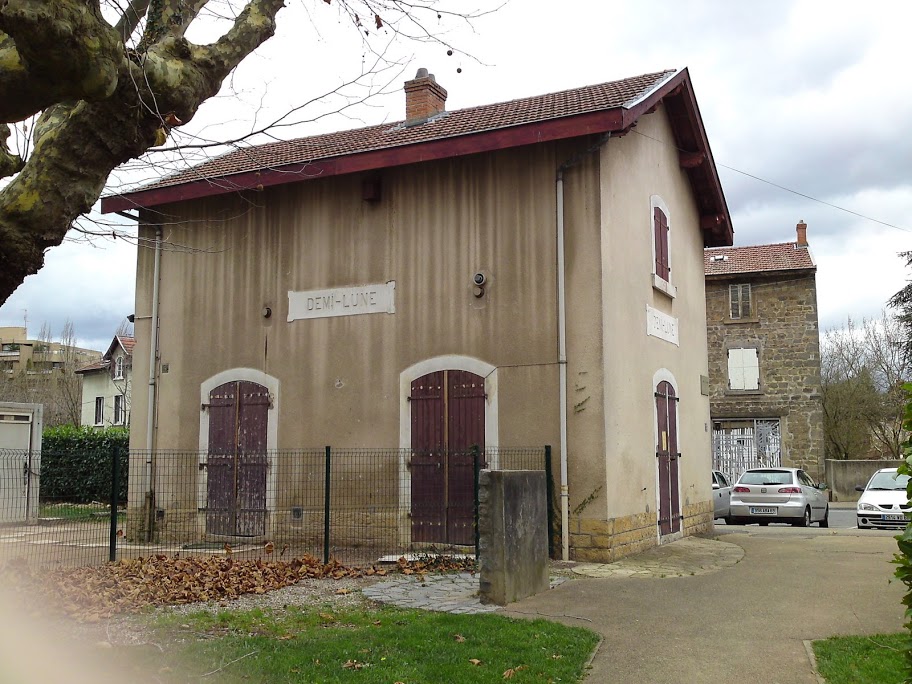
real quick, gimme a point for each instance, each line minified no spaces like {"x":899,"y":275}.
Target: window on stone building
{"x":743,"y":369}
{"x":740,"y":299}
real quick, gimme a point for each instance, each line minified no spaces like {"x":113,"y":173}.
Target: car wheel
{"x":730,"y":520}
{"x":826,"y":518}
{"x":806,"y":520}
{"x":763,"y":523}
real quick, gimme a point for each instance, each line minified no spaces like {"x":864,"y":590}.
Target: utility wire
{"x":782,"y":187}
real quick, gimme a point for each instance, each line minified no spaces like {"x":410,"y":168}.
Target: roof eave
{"x":772,"y":273}
{"x":684,"y":115}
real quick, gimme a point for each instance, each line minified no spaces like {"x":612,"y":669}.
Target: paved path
{"x":693,"y":612}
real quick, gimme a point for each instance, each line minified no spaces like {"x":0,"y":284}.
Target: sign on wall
{"x":342,"y":301}
{"x":661,"y":325}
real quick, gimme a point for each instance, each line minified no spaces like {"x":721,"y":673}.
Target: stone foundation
{"x":605,"y":541}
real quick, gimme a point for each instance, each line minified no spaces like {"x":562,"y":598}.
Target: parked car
{"x":883,"y":503}
{"x":721,"y":489}
{"x":786,"y":495}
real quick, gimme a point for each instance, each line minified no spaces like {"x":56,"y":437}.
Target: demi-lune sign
{"x":342,"y":301}
{"x":661,"y":325}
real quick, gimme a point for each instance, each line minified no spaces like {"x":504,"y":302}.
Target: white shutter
{"x":735,"y":369}
{"x":751,"y":369}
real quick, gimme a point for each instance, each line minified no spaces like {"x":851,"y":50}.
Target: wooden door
{"x":667,"y":458}
{"x":237,"y":461}
{"x":447,"y":418}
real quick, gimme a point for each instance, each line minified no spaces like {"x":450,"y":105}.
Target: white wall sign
{"x":342,"y":301}
{"x":661,"y":325}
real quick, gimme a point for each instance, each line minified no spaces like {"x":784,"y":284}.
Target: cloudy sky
{"x":806,"y":105}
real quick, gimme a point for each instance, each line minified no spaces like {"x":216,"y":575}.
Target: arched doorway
{"x":447,"y":415}
{"x":667,"y":458}
{"x":236,"y":461}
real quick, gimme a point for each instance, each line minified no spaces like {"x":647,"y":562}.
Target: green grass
{"x":370,"y":647}
{"x":878,"y":659}
{"x":84,"y":512}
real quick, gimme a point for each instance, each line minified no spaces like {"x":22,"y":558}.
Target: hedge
{"x":76,"y":463}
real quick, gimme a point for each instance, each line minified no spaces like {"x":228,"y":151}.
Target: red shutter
{"x":660,"y":224}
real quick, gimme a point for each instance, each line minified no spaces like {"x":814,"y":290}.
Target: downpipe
{"x":153,"y":359}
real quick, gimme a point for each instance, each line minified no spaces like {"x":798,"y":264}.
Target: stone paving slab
{"x":685,"y":557}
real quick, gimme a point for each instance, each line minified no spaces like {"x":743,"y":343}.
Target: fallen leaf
{"x":459,"y":638}
{"x":342,"y":592}
{"x":352,"y":665}
{"x":475,"y":661}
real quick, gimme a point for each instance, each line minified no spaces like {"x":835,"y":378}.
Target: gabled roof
{"x":125,"y":342}
{"x":608,"y":107}
{"x":758,"y":259}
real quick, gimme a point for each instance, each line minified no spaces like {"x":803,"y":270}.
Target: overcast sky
{"x":809,"y":96}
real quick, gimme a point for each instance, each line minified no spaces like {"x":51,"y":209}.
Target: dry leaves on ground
{"x":90,"y":594}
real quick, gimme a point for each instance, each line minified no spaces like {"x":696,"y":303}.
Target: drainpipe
{"x":153,"y":358}
{"x":562,"y":343}
{"x":562,"y":368}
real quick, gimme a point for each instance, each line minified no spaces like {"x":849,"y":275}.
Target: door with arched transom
{"x":447,"y":423}
{"x":237,"y":459}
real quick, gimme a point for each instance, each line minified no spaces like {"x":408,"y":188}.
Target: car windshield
{"x":888,"y":481}
{"x":766,"y":477}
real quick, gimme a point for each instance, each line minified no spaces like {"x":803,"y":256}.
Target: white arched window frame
{"x":119,"y":368}
{"x":661,"y":246}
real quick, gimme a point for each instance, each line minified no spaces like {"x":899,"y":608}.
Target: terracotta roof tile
{"x":783,"y":256}
{"x":446,"y":125}
{"x":127,"y":343}
{"x":94,"y":366}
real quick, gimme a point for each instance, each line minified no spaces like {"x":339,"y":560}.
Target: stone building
{"x":764,"y":356}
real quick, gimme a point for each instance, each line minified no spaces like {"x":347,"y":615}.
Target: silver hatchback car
{"x":787,"y":495}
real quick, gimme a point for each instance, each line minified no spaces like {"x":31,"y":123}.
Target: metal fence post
{"x":475,"y":470}
{"x":549,"y":483}
{"x":326,"y":507}
{"x":115,"y":494}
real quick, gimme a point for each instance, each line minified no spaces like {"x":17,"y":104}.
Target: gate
{"x":447,"y":415}
{"x":739,"y":444}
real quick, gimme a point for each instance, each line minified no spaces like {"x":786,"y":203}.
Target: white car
{"x":722,"y":491}
{"x":784,"y":495}
{"x":883,"y":503}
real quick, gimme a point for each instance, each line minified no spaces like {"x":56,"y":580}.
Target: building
{"x":514,"y":274}
{"x":107,"y":385}
{"x":19,"y":353}
{"x":764,"y":356}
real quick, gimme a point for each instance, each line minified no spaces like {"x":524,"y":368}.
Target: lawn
{"x":381,"y":646}
{"x":878,"y":659}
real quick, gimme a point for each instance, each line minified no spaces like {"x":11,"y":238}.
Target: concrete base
{"x":513,"y":535}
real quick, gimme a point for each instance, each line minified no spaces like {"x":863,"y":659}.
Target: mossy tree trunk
{"x":100,"y":104}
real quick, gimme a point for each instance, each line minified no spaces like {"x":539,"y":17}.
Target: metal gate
{"x":447,"y":415}
{"x":739,"y":444}
{"x":236,"y":463}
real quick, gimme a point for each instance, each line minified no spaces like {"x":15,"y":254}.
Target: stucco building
{"x":107,"y":385}
{"x":522,"y":273}
{"x":764,"y":356}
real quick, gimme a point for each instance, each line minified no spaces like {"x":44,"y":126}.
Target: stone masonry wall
{"x":785,"y":332}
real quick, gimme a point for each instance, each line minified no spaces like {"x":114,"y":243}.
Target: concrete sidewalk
{"x":742,"y":621}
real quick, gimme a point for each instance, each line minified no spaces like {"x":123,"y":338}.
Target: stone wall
{"x":784,"y":331}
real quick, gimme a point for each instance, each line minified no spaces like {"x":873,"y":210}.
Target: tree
{"x":862,"y":374}
{"x":106,"y":92}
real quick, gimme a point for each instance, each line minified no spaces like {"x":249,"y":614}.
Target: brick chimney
{"x":802,"y":230}
{"x":424,"y":98}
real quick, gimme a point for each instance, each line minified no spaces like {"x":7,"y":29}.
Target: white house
{"x":106,"y":385}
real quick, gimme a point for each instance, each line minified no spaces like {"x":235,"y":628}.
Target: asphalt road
{"x":840,"y":518}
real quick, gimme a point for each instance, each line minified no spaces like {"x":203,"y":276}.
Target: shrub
{"x":76,"y":463}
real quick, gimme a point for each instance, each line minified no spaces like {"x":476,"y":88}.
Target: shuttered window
{"x":743,"y":369}
{"x":740,"y":299}
{"x":660,"y":227}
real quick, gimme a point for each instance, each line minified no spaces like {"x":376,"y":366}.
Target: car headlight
{"x":867,"y":507}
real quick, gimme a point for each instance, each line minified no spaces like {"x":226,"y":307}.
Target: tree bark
{"x":79,"y":142}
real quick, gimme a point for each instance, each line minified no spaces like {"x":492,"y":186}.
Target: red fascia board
{"x":487,"y":141}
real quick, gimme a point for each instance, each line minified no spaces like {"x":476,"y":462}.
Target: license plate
{"x":893,"y":516}
{"x":762,"y":511}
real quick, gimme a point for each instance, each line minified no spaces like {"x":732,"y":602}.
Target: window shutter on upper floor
{"x":660,"y":225}
{"x":743,"y":369}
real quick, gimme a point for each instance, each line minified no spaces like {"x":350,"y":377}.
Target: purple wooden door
{"x":667,"y":459}
{"x":236,"y":482}
{"x":447,"y":413}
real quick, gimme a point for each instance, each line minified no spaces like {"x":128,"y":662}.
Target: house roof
{"x":598,"y":109}
{"x":125,"y":342}
{"x":760,"y":259}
